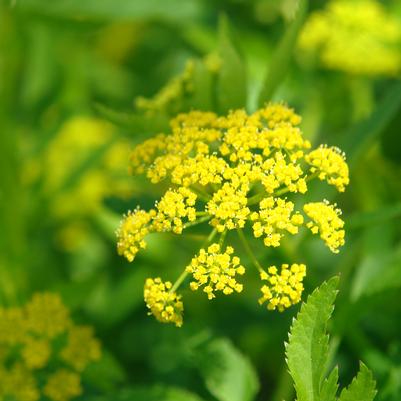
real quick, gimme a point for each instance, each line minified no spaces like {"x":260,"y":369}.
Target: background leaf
{"x":231,"y":80}
{"x":281,"y":59}
{"x":228,"y":374}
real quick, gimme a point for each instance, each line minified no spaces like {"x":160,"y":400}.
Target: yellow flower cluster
{"x":330,"y":165}
{"x":231,"y":171}
{"x":228,"y":208}
{"x":216,"y":270}
{"x":284,"y":289}
{"x":172,"y":208}
{"x":35,"y":335}
{"x":359,"y":37}
{"x":327,"y":223}
{"x":164,"y":304}
{"x":132,"y":231}
{"x":274,"y":217}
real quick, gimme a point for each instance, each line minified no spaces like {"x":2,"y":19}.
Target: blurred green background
{"x":80,"y":84}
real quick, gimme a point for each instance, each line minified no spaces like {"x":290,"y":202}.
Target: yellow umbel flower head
{"x":34,"y":351}
{"x":284,"y":289}
{"x":231,"y":172}
{"x":327,"y":223}
{"x":358,"y":37}
{"x":132,"y":231}
{"x":63,"y":385}
{"x":216,"y":270}
{"x":164,"y":304}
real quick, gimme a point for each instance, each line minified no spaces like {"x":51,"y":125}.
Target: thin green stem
{"x":249,"y":250}
{"x":222,"y":238}
{"x":196,"y":222}
{"x":184,"y":274}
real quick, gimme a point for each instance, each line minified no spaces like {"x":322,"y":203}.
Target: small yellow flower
{"x":63,"y":385}
{"x":174,"y":206}
{"x":283,"y":289}
{"x":36,"y":352}
{"x":229,"y":207}
{"x":327,"y":223}
{"x":46,"y":315}
{"x":329,"y":164}
{"x":216,"y":271}
{"x":82,"y":348}
{"x":12,"y":326}
{"x":164,"y":304}
{"x":132,"y":232}
{"x":19,"y":384}
{"x":275,"y":217}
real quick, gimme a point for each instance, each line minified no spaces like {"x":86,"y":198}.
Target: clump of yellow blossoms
{"x":231,"y":172}
{"x":83,"y":164}
{"x":358,"y":37}
{"x":284,"y":289}
{"x":163,"y":302}
{"x":42,"y":352}
{"x":216,"y":270}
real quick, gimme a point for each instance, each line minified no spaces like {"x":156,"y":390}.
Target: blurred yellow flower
{"x":84,"y":163}
{"x":63,"y":385}
{"x":37,"y":338}
{"x":359,"y":37}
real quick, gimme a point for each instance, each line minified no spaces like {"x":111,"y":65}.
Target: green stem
{"x":249,"y":250}
{"x":184,"y":274}
{"x":196,"y":222}
{"x":222,"y":238}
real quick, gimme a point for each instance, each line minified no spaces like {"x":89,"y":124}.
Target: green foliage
{"x":231,"y":81}
{"x":281,"y":59}
{"x":228,"y":375}
{"x":308,"y":353}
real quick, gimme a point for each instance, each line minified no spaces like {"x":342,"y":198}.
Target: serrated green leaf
{"x":307,"y":349}
{"x":281,"y":59}
{"x":228,"y":374}
{"x":330,"y":386}
{"x":362,"y":388}
{"x":231,"y":80}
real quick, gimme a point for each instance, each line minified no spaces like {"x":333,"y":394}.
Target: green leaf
{"x":172,"y":10}
{"x":363,"y":219}
{"x":307,"y":349}
{"x":203,"y":85}
{"x":105,"y":374}
{"x":231,"y":80}
{"x":367,"y":130}
{"x":228,"y":374}
{"x":362,"y":387}
{"x":330,"y":386}
{"x":281,"y":59}
{"x":139,"y":124}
